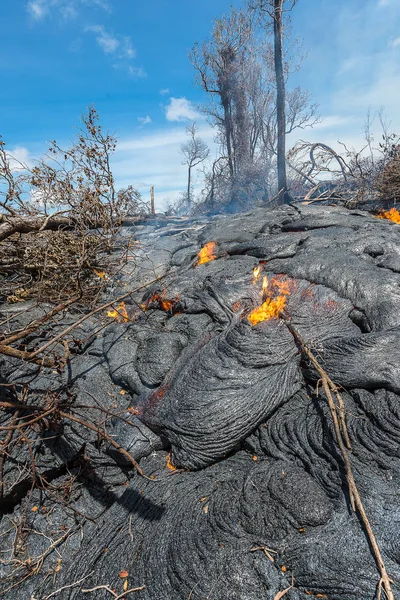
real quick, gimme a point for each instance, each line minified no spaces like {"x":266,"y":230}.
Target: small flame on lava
{"x":264,"y":286}
{"x":120,"y":314}
{"x":274,"y":294}
{"x":206,"y":254}
{"x":270,"y":309}
{"x":256,"y":273}
{"x":170,"y":466}
{"x":392,"y":215}
{"x":164,"y":303}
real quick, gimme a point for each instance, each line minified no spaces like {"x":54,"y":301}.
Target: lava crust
{"x":246,"y":492}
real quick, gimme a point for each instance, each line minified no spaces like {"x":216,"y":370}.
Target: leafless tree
{"x":275,"y":9}
{"x":369,"y":175}
{"x":235,"y":67}
{"x":195,"y":151}
{"x":217,"y":63}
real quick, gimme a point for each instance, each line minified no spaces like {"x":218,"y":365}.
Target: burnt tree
{"x":236,"y":69}
{"x":195,"y":151}
{"x":280,"y":102}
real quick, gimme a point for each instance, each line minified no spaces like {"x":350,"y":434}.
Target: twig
{"x":271,"y":200}
{"x":267,"y":552}
{"x":16,"y":314}
{"x":36,"y":563}
{"x":31,"y":455}
{"x":38,"y":322}
{"x":355,"y":497}
{"x":3,"y":452}
{"x":27,"y":356}
{"x":192,"y":590}
{"x":93,"y":312}
{"x":280,"y":595}
{"x":108,"y":589}
{"x":108,"y":438}
{"x":46,"y":362}
{"x":31,"y":422}
{"x":65,"y":587}
{"x":51,"y":216}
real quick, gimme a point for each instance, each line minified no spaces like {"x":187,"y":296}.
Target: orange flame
{"x":256,"y":273}
{"x":119,"y":314}
{"x":392,"y":215}
{"x":207,"y":253}
{"x":264,"y":286}
{"x":269,"y":309}
{"x":165,"y":304}
{"x":274,"y":294}
{"x":170,"y":466}
{"x":282,"y":286}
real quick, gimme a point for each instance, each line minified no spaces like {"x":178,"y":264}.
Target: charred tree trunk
{"x":228,"y":133}
{"x":27,"y":224}
{"x":152,"y":207}
{"x":280,"y":103}
{"x":10,"y":225}
{"x":188,"y":186}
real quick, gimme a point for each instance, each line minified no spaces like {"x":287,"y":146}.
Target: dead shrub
{"x":59,"y":219}
{"x":388,"y":180}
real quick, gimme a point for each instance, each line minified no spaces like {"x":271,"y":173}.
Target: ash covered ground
{"x":245,"y":494}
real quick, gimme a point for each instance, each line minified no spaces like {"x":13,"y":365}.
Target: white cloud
{"x":107,"y":42}
{"x":364,"y":71}
{"x":333,"y":122}
{"x":19,"y":158}
{"x":68,"y":9}
{"x":164,"y":91}
{"x":37,"y":9}
{"x":127,"y":50}
{"x":382,"y":88}
{"x":100,"y":3}
{"x":119,"y":48}
{"x":349,"y":64}
{"x":181,"y":109}
{"x":144,"y":120}
{"x":136,"y":71}
{"x":154,"y":157}
{"x":131,"y":70}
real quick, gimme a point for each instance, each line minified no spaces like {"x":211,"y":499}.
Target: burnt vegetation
{"x":244,"y":70}
{"x":60,"y":217}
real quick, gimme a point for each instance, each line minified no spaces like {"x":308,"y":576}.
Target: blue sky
{"x":129,"y":58}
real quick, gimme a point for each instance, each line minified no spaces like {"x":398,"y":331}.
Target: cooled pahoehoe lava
{"x":229,"y":418}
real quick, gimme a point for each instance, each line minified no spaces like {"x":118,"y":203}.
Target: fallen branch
{"x":341,"y":437}
{"x":11,"y":224}
{"x":21,"y":224}
{"x":3,"y":452}
{"x":42,"y":415}
{"x":26,"y":356}
{"x":35,"y":564}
